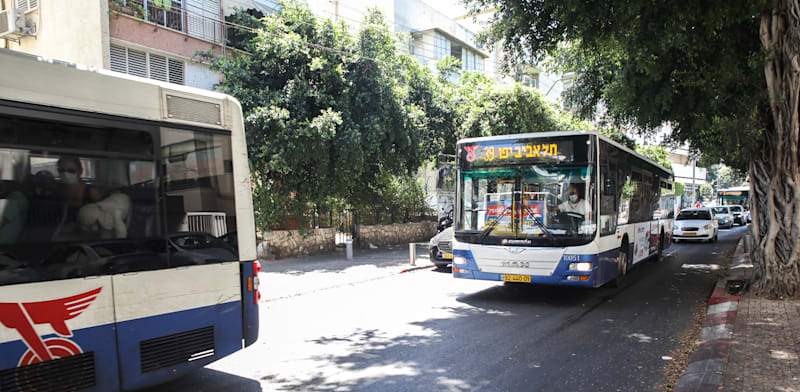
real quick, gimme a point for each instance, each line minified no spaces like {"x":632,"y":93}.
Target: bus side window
{"x":608,"y":199}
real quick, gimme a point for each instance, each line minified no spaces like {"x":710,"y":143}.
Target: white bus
{"x":559,"y":208}
{"x":110,"y":186}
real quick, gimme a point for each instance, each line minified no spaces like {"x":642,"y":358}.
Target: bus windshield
{"x":528,"y":205}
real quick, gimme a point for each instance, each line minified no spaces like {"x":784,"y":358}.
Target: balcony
{"x":196,"y":22}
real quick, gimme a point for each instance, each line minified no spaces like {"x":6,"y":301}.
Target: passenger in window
{"x":76,"y":192}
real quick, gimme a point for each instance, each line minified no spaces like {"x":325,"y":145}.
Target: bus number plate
{"x":517,"y":278}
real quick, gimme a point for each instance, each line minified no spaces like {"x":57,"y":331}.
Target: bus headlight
{"x":459,"y":260}
{"x":583,"y":267}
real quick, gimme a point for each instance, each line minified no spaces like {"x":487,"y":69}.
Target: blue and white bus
{"x":559,"y":208}
{"x":127,"y":243}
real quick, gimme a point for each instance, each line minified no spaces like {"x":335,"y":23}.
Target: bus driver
{"x":575,"y":204}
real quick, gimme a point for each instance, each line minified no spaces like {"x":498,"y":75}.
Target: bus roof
{"x":736,"y":189}
{"x":564,"y":133}
{"x":42,"y":81}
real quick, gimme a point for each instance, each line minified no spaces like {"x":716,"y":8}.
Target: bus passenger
{"x":77,"y":193}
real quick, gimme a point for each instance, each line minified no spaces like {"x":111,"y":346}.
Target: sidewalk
{"x":291,"y":277}
{"x":747,"y":343}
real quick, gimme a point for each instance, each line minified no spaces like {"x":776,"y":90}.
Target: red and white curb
{"x":706,"y":370}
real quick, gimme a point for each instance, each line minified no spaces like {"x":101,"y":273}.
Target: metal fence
{"x":192,"y":20}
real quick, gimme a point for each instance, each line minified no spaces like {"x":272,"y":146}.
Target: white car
{"x":695,"y":224}
{"x":723,"y":216}
{"x":441,"y":248}
{"x":738,"y":213}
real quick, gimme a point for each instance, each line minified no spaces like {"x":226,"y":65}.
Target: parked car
{"x":695,"y":224}
{"x":723,"y":216}
{"x":739,"y":217}
{"x":440,"y":248}
{"x":201,"y":248}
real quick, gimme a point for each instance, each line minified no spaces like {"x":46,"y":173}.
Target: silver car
{"x":441,"y":248}
{"x":723,"y":216}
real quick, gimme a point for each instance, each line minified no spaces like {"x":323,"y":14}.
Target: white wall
{"x":200,"y":76}
{"x":75,"y":31}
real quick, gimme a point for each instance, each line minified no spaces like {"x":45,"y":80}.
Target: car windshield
{"x":694,"y":215}
{"x":720,"y":210}
{"x":534,"y":204}
{"x":735,"y":208}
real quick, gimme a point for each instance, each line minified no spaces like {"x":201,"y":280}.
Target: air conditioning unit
{"x":13,"y":25}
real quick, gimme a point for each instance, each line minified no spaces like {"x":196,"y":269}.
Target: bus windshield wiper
{"x":539,"y":223}
{"x":492,"y":224}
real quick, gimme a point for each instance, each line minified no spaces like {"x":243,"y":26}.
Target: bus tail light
{"x":256,"y":282}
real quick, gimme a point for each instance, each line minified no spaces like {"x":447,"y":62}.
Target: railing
{"x":179,"y":17}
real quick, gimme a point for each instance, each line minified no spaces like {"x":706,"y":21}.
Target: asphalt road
{"x":425,"y":331}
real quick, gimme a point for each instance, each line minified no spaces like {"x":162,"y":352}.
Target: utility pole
{"x":694,"y":189}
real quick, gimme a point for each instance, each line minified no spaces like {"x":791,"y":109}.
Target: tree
{"x":723,"y":74}
{"x":656,"y":153}
{"x":329,"y":114}
{"x":727,"y":177}
{"x":705,"y":191}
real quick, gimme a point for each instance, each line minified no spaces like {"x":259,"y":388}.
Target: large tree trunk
{"x":775,"y":170}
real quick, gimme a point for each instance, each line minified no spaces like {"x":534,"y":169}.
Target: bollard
{"x":349,"y":249}
{"x":412,"y":252}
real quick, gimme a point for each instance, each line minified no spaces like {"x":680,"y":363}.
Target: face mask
{"x":69,"y":178}
{"x":573,"y":198}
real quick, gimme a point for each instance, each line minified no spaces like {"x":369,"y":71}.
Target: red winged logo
{"x":23,"y":316}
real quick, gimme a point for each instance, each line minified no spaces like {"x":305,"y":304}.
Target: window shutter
{"x":119,"y":59}
{"x":176,"y":71}
{"x":137,"y":63}
{"x":158,"y":67}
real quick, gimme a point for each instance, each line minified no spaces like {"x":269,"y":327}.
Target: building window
{"x":27,"y":5}
{"x":147,"y":65}
{"x":442,"y":46}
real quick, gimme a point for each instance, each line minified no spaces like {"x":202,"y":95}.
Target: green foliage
{"x":238,"y":37}
{"x":679,"y":188}
{"x":330,"y":114}
{"x":727,"y":177}
{"x":656,"y":153}
{"x":706,"y":191}
{"x":697,"y":65}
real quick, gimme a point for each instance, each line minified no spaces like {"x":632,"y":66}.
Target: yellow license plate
{"x":447,"y":256}
{"x":689,"y":233}
{"x":517,"y":278}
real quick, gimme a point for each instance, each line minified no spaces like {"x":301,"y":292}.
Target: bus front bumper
{"x":465,"y":267}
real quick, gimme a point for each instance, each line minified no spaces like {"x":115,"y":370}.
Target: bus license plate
{"x":448,"y":256}
{"x":517,"y":278}
{"x":689,"y":233}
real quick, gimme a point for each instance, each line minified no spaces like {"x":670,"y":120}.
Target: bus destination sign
{"x":510,"y":152}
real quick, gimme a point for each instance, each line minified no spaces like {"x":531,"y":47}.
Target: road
{"x":379,"y":330}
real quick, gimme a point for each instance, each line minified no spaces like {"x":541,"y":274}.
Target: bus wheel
{"x":622,"y":267}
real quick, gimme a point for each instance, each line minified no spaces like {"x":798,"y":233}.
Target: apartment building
{"x":155,"y":39}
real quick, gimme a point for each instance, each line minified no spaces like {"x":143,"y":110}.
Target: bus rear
{"x":127,"y":248}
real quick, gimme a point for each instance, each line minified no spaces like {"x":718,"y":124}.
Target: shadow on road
{"x":207,"y":380}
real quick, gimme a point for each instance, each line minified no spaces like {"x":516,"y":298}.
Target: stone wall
{"x":400,"y":233}
{"x":292,"y":243}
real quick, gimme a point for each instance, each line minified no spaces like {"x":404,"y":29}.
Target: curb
{"x":416,"y":268}
{"x":706,"y":370}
